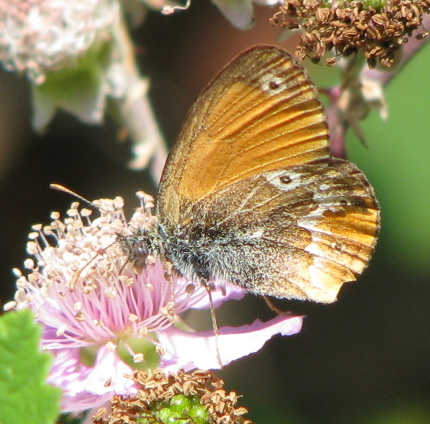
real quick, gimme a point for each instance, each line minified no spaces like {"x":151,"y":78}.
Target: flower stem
{"x":133,"y":108}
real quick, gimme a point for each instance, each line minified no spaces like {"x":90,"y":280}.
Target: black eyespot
{"x":274,"y":85}
{"x":285,"y":179}
{"x":337,"y":246}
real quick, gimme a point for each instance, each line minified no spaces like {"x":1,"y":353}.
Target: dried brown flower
{"x":156,"y":391}
{"x":352,"y":26}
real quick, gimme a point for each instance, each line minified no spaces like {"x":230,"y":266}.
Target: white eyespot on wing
{"x":272,"y":84}
{"x":284,"y":180}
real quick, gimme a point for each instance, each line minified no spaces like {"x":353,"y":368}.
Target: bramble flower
{"x":77,"y":55}
{"x":63,"y":48}
{"x":377,"y":28}
{"x":38,"y":37}
{"x":103,"y":318}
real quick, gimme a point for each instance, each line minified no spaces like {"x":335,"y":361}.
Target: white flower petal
{"x":198,"y":350}
{"x":240,"y":13}
{"x":224,"y":292}
{"x":84,"y":387}
{"x":269,"y":2}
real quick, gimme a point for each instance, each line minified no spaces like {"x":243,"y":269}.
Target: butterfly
{"x":251,"y":195}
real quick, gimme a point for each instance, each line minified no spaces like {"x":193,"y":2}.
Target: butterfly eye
{"x":141,"y":246}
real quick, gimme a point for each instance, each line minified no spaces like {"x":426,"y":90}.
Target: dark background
{"x":364,"y":359}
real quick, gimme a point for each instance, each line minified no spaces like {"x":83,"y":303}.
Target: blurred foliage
{"x":404,"y":414}
{"x":397,"y":163}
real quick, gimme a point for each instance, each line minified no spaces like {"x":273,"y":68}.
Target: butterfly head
{"x":143,"y":246}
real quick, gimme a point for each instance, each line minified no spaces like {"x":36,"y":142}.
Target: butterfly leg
{"x":274,"y":308}
{"x":209,"y":289}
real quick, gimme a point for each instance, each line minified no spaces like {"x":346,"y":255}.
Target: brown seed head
{"x":157,"y":387}
{"x":351,"y":26}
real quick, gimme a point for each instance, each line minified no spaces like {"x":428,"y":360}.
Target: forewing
{"x":259,"y":114}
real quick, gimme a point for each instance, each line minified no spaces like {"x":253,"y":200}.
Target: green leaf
{"x":25,"y":397}
{"x":80,"y":90}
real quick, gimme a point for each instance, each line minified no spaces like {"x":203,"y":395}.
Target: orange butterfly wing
{"x":259,"y":114}
{"x":251,"y":195}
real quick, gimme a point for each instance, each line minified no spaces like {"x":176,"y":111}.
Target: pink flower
{"x":103,"y":319}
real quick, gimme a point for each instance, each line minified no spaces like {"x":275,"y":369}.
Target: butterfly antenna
{"x":214,"y":324}
{"x":75,"y":278}
{"x":59,"y":187}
